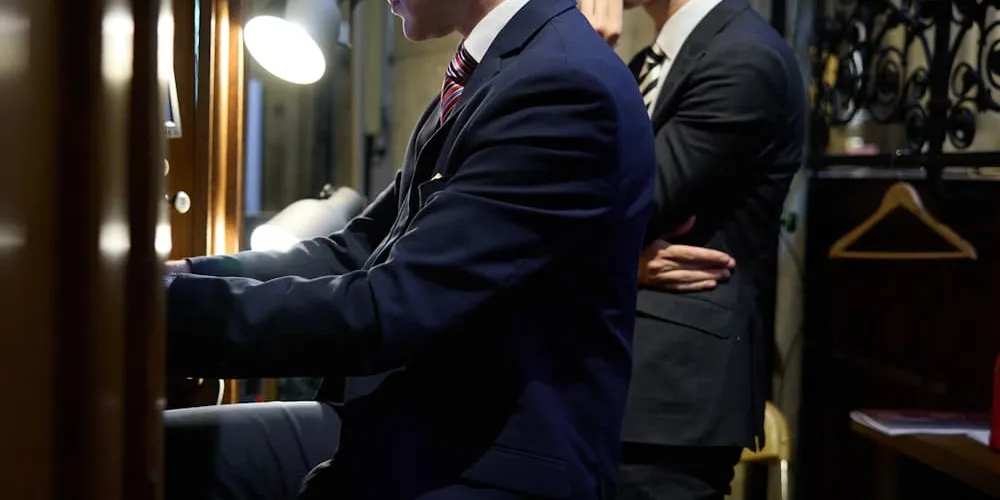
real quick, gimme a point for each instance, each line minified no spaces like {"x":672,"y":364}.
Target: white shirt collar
{"x":681,"y":24}
{"x":482,"y":36}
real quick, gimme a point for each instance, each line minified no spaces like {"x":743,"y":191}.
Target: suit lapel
{"x":635,"y":65}
{"x":691,"y":52}
{"x":418,"y":138}
{"x":438,"y":139}
{"x":508,"y":43}
{"x":430,"y":123}
{"x":431,"y":142}
{"x":432,"y":133}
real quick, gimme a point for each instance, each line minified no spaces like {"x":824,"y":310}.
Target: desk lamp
{"x":309,"y":218}
{"x":292,"y":44}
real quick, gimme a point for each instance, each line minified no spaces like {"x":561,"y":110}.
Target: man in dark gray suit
{"x":727,"y":104}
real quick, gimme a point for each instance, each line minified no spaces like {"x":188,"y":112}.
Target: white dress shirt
{"x":482,"y":36}
{"x":674,"y":33}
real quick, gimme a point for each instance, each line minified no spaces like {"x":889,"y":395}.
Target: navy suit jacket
{"x":497,"y":274}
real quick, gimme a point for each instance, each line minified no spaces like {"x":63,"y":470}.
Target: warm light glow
{"x":163,"y":242}
{"x":284,"y":49}
{"x":165,"y":43}
{"x":114,"y":239}
{"x":117,"y":29}
{"x":267,"y":237}
{"x":15,"y":32}
{"x":11,"y":237}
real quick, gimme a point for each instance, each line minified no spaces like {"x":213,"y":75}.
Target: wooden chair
{"x":777,"y":448}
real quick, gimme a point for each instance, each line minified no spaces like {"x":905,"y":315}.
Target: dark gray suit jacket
{"x":729,"y":125}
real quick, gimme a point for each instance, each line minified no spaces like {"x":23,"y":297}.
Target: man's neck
{"x":474,"y":12}
{"x":662,"y":10}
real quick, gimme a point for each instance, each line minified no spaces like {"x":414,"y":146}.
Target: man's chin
{"x":413,"y":37}
{"x":418,"y":34}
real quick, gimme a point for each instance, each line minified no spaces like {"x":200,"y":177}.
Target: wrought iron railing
{"x":922,"y":79}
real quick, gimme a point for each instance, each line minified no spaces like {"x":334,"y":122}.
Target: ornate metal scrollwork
{"x":885,"y":56}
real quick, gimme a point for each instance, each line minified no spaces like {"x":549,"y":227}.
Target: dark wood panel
{"x":219,"y":145}
{"x":144,"y":352}
{"x":882,"y":333}
{"x":958,"y":457}
{"x":27,"y":252}
{"x":80,"y":194}
{"x":190,"y":230}
{"x":207,"y":162}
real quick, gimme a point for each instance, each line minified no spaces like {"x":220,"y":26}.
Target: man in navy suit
{"x":495,"y":277}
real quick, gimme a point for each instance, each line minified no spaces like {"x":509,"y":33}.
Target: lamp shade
{"x":293,"y":47}
{"x":306,"y":219}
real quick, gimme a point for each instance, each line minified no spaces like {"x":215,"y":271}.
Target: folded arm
{"x":723,"y":124}
{"x":705,"y":152}
{"x":537,"y":173}
{"x":342,"y":252}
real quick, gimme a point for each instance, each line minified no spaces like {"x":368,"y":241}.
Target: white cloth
{"x":483,"y":34}
{"x":672,"y":36}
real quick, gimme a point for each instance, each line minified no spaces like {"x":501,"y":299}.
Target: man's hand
{"x":605,"y":16}
{"x":682,"y":268}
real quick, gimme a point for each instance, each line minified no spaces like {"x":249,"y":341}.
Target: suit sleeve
{"x":339,"y":253}
{"x":538,"y":170}
{"x":725,"y":120}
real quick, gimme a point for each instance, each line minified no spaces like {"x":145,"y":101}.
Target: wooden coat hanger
{"x":902,"y":195}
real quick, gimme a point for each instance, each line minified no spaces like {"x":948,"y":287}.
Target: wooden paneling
{"x":144,"y":353}
{"x":27,"y":248}
{"x":207,"y":162}
{"x":80,"y":295}
{"x":892,"y":334}
{"x":220,"y":121}
{"x":189,"y":231}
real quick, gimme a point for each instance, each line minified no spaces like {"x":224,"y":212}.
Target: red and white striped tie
{"x":455,"y":78}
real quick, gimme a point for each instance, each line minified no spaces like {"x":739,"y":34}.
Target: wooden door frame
{"x":220,"y":126}
{"x":207,"y":161}
{"x":189,"y":231}
{"x":81,"y":349}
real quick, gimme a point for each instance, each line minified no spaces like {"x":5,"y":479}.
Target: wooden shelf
{"x":957,"y":456}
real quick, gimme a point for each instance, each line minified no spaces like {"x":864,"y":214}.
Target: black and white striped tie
{"x":649,"y":75}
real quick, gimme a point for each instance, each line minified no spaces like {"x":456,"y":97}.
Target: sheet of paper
{"x":981,"y":437}
{"x":901,"y":422}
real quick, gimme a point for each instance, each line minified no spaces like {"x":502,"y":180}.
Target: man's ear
{"x":605,"y":16}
